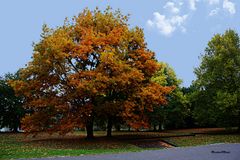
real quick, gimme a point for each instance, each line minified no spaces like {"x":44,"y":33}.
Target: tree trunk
{"x":154,"y":128}
{"x":238,"y":130}
{"x":118,"y":127}
{"x":238,"y":121}
{"x":15,"y":129}
{"x":238,"y":103}
{"x":161,"y":126}
{"x":89,"y":128}
{"x":16,"y":124}
{"x":109,"y":127}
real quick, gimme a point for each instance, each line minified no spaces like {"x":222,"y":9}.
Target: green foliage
{"x":188,"y":93}
{"x":166,"y":76}
{"x":217,"y":98}
{"x":177,"y":110}
{"x":174,"y":113}
{"x":11,"y":109}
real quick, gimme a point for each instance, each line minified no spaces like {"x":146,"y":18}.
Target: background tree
{"x":218,"y":82}
{"x":189,"y":93}
{"x":173,"y":114}
{"x":93,"y":65}
{"x":11,"y":109}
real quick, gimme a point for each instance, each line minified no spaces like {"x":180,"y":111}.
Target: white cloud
{"x":150,"y":23}
{"x":229,"y":6}
{"x":167,"y":26}
{"x":171,"y":7}
{"x":192,"y":4}
{"x":178,"y":20}
{"x":212,"y":2}
{"x":180,"y":3}
{"x":214,"y":12}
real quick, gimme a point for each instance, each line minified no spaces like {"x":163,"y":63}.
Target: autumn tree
{"x":217,"y":97}
{"x":11,"y":106}
{"x":92,"y":65}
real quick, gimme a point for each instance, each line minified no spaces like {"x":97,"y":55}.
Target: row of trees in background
{"x":95,"y":71}
{"x":11,"y":106}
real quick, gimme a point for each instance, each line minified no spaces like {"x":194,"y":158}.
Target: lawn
{"x":14,"y":146}
{"x":203,"y":139}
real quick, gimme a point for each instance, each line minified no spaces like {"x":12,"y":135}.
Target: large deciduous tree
{"x":217,"y":100}
{"x":93,"y":64}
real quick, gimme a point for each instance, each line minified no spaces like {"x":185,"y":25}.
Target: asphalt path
{"x":207,"y":152}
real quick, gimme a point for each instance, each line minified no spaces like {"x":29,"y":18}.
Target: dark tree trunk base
{"x":154,"y":128}
{"x":109,"y":127}
{"x":89,"y":128}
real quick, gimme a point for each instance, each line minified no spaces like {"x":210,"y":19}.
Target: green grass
{"x":25,"y":152}
{"x":204,"y":139}
{"x":13,"y":146}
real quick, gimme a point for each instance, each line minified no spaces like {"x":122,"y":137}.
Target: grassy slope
{"x":204,"y":139}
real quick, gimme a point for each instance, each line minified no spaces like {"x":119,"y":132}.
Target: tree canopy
{"x":218,"y":82}
{"x":93,"y":64}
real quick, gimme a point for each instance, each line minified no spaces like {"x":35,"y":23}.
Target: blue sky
{"x":176,"y":30}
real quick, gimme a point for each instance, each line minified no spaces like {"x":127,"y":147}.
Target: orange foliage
{"x":93,"y":61}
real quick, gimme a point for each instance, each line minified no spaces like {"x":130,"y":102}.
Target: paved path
{"x":208,"y":152}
